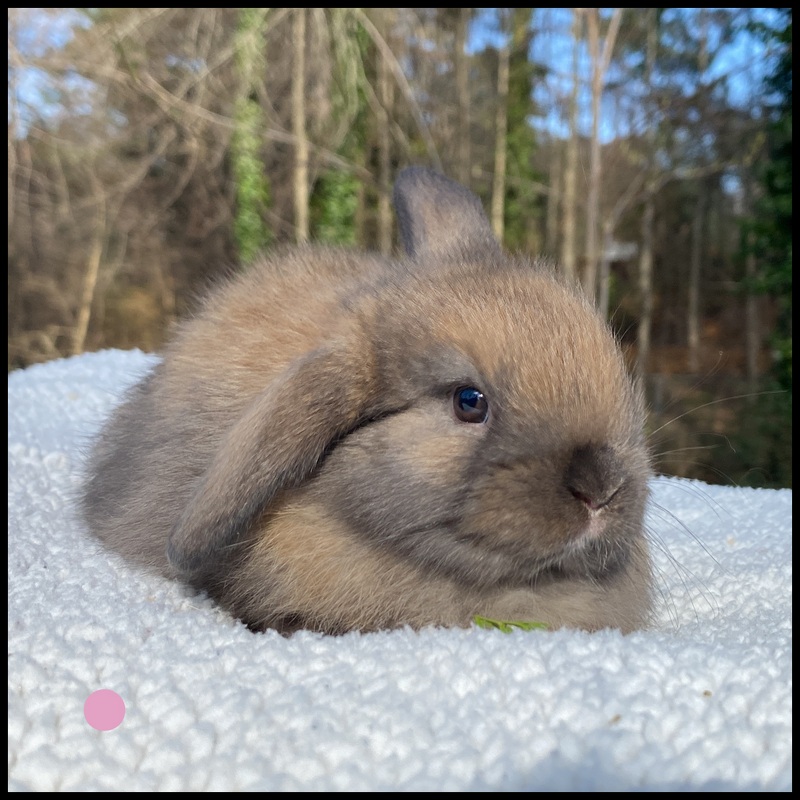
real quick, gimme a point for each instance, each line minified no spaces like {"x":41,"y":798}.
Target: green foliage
{"x":766,"y":442}
{"x":334,"y":203}
{"x":350,"y":45}
{"x":522,"y":203}
{"x":335,"y":196}
{"x":249,"y":172}
{"x":769,"y":234}
{"x":772,"y":223}
{"x":252,"y":187}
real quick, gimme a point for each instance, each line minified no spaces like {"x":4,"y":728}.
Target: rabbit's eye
{"x":470,"y":404}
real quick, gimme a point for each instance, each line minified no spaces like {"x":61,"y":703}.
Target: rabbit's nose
{"x":594,"y":476}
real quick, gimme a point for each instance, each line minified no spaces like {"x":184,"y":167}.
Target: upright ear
{"x":437,"y":216}
{"x":275,"y":444}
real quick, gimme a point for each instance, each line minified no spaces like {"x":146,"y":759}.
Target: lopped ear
{"x":275,"y":444}
{"x":437,"y":216}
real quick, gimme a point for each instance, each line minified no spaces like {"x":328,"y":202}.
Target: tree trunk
{"x":464,"y":166}
{"x":89,"y":283}
{"x":553,"y":199}
{"x":593,"y":197}
{"x":752,"y":322}
{"x":698,"y":229}
{"x":501,"y":130}
{"x":12,"y":149}
{"x":646,"y":283}
{"x":360,"y":220}
{"x":648,"y":215}
{"x":605,"y":268}
{"x":600,"y":61}
{"x":299,"y":126}
{"x":569,"y":233}
{"x":248,"y":168}
{"x":693,"y":300}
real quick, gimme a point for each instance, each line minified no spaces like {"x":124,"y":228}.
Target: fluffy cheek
{"x":522,"y":509}
{"x":400,"y":475}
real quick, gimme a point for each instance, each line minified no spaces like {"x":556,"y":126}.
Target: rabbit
{"x":341,"y":441}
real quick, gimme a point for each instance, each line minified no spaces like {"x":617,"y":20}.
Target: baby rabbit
{"x":339,"y":441}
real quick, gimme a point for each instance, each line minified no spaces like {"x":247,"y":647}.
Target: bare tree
{"x":554,"y":198}
{"x":600,"y":61}
{"x":501,"y":129}
{"x":461,"y":58}
{"x":752,"y":323}
{"x":646,"y":247}
{"x":94,"y":258}
{"x":610,"y":223}
{"x":569,"y":233}
{"x":299,"y":125}
{"x":693,"y":299}
{"x":698,"y":229}
{"x":648,"y":211}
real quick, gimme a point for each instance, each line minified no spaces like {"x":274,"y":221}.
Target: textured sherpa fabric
{"x":701,"y":701}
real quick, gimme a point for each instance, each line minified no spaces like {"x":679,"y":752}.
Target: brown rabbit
{"x":339,"y":441}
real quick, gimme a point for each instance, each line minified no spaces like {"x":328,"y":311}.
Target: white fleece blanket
{"x":700,"y":702}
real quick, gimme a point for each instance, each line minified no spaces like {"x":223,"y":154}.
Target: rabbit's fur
{"x":299,"y":452}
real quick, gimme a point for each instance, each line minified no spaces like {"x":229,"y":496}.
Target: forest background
{"x":647,"y":151}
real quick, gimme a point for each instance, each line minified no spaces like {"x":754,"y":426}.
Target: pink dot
{"x":104,"y":709}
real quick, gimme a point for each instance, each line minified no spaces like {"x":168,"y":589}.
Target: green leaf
{"x":507,"y":626}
